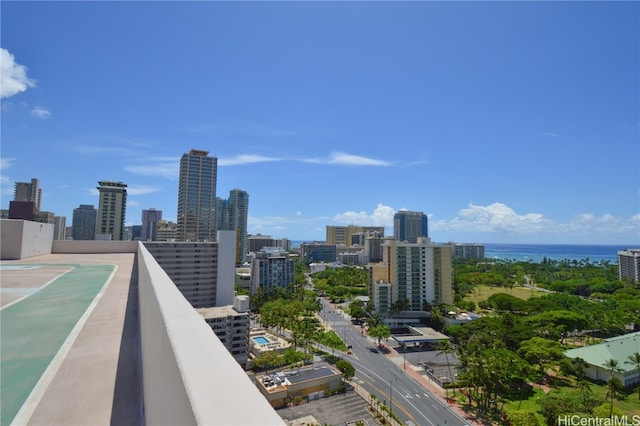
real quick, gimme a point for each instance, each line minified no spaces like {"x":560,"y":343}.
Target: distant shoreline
{"x":537,"y":252}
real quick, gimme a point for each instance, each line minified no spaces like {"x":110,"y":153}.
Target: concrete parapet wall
{"x":93,"y":246}
{"x":189,"y":377}
{"x":22,"y":239}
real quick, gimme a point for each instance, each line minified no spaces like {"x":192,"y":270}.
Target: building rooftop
{"x":274,"y":382}
{"x":69,"y":341}
{"x":419,"y":335}
{"x":619,"y":348}
{"x":95,"y":332}
{"x":218,"y":312}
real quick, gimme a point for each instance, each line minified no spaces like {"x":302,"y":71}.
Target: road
{"x":409,"y":400}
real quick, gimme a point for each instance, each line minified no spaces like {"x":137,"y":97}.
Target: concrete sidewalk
{"x":414,"y":371}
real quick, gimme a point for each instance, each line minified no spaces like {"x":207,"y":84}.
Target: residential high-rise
{"x":197,"y":197}
{"x":150,"y":220}
{"x":419,"y":272}
{"x":84,"y":222}
{"x":467,"y":251}
{"x":409,"y":226}
{"x":237,"y":213}
{"x":629,"y":264}
{"x":111,"y":209}
{"x":28,"y":191}
{"x":204,"y":272}
{"x":271,"y":268}
{"x":59,"y":227}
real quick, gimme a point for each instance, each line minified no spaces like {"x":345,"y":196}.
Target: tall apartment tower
{"x":28,"y":191}
{"x":150,"y":220}
{"x":112,"y":209}
{"x":629,"y":264}
{"x":419,"y":272}
{"x":197,"y":197}
{"x":409,"y":226}
{"x":238,"y":207}
{"x":84,"y":222}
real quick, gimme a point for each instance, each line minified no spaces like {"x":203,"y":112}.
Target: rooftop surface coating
{"x":70,"y":343}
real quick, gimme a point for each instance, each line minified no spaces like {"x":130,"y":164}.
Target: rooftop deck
{"x":66,"y":354}
{"x":97,"y":333}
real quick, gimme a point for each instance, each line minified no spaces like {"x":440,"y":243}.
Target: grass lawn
{"x":482,"y":292}
{"x":628,"y":403}
{"x":528,"y":405}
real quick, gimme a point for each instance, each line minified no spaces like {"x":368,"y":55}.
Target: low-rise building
{"x":231,"y":327}
{"x":306,"y":382}
{"x":619,"y":348}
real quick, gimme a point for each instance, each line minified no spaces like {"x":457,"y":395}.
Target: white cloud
{"x":100,"y":151}
{"x":6,"y":183}
{"x":167,"y":169}
{"x":6,"y":163}
{"x":41,"y":112}
{"x":13,"y":76}
{"x":498,"y":218}
{"x":141,"y":190}
{"x":341,"y":158}
{"x":245,"y":159}
{"x":381,"y":216}
{"x":244,"y":127}
{"x":551,"y":134}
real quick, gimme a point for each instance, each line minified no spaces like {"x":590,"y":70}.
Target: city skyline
{"x":501,"y":121}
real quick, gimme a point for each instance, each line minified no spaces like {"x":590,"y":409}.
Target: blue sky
{"x":502,"y":121}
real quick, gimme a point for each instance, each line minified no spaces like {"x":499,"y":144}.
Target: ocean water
{"x":537,"y":252}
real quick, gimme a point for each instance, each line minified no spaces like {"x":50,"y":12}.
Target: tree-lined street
{"x":411,"y":402}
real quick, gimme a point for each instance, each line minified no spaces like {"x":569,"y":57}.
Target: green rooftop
{"x":619,"y":348}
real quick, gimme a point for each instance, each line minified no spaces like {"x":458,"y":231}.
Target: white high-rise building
{"x":204,"y":272}
{"x":419,"y":272}
{"x":629,"y":264}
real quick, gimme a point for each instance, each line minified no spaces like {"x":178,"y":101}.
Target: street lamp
{"x":391,"y":392}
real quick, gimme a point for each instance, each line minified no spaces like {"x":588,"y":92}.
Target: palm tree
{"x":445,"y":347}
{"x":634,"y":359}
{"x":614,"y":382}
{"x":585,"y":392}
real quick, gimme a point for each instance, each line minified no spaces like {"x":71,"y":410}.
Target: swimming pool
{"x":261,"y":340}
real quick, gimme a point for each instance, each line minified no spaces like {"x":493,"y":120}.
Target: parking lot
{"x":439,"y":364}
{"x":334,"y":410}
